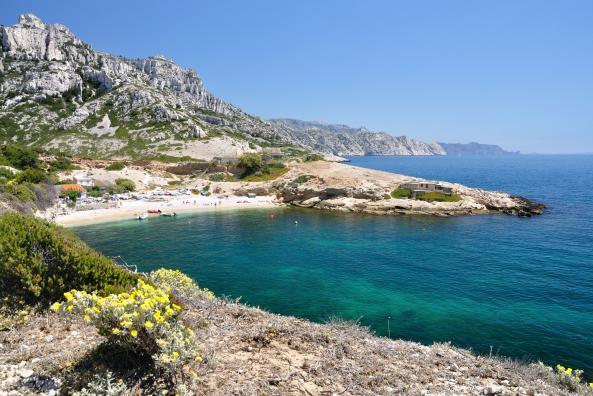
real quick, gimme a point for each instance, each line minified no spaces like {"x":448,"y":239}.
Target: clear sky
{"x":518,"y":73}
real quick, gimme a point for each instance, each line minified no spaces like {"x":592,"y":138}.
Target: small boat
{"x":142,"y":216}
{"x":154,"y":211}
{"x":168,"y":214}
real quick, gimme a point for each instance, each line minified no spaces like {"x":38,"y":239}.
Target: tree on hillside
{"x":250,"y":162}
{"x":20,"y":157}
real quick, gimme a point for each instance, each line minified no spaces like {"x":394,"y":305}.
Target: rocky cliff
{"x":474,"y":148}
{"x":57,"y":92}
{"x":343,"y":140}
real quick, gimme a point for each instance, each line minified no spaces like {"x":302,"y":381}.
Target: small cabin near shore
{"x":419,"y":188}
{"x":80,"y":190}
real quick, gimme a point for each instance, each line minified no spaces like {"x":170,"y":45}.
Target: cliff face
{"x":474,"y":149}
{"x":344,"y":140}
{"x":57,"y":92}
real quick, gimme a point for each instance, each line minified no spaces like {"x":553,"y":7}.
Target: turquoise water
{"x":523,"y":287}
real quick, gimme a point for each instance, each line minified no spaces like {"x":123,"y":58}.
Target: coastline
{"x":129,"y":209}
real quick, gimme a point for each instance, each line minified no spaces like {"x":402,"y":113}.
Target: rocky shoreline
{"x":342,"y":187}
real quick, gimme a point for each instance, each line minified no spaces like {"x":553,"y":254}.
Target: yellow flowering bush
{"x":145,"y":319}
{"x":571,"y":379}
{"x":13,"y":311}
{"x":178,"y":283}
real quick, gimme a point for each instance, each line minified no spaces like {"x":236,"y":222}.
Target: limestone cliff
{"x":344,"y":140}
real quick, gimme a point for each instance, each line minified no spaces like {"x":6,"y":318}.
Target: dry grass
{"x":248,"y":351}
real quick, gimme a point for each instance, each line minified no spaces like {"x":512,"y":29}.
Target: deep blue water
{"x":523,"y":287}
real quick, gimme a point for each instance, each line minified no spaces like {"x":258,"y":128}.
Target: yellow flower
{"x":134,"y":333}
{"x":175,"y":355}
{"x":69,"y":307}
{"x":186,"y":340}
{"x":87,"y":318}
{"x":177,"y":307}
{"x":69,"y":296}
{"x":199,"y":359}
{"x":148,"y":324}
{"x":55,"y":307}
{"x":115,"y":331}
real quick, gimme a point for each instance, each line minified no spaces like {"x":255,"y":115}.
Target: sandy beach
{"x":129,"y":209}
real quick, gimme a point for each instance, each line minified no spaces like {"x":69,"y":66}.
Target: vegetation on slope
{"x":40,"y":261}
{"x":164,"y":334}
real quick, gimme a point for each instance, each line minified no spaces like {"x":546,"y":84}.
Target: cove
{"x":519,"y":287}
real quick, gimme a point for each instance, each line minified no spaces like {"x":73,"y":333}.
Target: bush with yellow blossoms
{"x":571,"y":379}
{"x":179,"y":284}
{"x":144,"y":319}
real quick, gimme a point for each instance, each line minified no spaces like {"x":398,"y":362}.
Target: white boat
{"x":142,"y":216}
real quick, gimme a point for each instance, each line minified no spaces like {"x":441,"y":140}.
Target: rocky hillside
{"x":474,"y":148}
{"x":57,"y":92}
{"x":343,"y":140}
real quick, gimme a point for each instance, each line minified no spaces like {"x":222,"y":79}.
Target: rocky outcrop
{"x":343,"y":140}
{"x":341,"y":187}
{"x":474,"y":148}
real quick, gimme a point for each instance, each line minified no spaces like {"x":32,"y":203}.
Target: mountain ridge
{"x":59,"y":94}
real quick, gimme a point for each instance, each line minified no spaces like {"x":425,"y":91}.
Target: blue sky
{"x":514,"y":73}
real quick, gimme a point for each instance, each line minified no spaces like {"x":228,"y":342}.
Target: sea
{"x":497,"y":284}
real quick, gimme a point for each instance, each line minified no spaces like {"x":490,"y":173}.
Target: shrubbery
{"x":438,"y":197}
{"x":40,"y":261}
{"x":116,"y":166}
{"x":178,"y":283}
{"x":571,"y":379}
{"x":250,"y":163}
{"x":122,"y":186}
{"x":401,"y":193}
{"x":21,"y":191}
{"x":20,"y":157}
{"x":145,"y":320}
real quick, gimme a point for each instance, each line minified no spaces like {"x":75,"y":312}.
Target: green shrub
{"x":276,"y":165}
{"x":72,"y":195}
{"x":126,"y":184}
{"x":6,"y":174}
{"x":301,"y":179}
{"x":40,"y":261}
{"x":21,"y":191}
{"x":31,"y":175}
{"x":438,"y":197}
{"x":116,"y":166}
{"x":216,"y":177}
{"x":250,"y":163}
{"x":103,"y":385}
{"x":174,"y":182}
{"x":314,"y":157}
{"x":402,"y":193}
{"x":61,"y":164}
{"x":20,"y":157}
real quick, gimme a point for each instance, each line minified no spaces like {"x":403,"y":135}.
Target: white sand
{"x":129,"y":209}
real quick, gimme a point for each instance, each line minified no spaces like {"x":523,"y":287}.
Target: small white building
{"x":84,"y":181}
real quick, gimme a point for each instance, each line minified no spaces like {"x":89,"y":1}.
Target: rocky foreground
{"x":247,"y":351}
{"x":334,"y":186}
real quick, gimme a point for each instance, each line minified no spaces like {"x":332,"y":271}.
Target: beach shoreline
{"x":130,"y":209}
